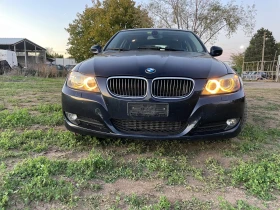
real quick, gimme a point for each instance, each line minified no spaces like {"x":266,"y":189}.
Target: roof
{"x":5,"y":43}
{"x":10,"y":41}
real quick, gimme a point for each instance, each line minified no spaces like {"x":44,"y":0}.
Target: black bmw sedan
{"x":154,"y":84}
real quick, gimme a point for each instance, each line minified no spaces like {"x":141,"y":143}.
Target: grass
{"x":41,"y":179}
{"x":22,"y":118}
{"x":49,"y":108}
{"x":41,"y":163}
{"x":239,"y":205}
{"x":260,"y":176}
{"x":38,"y":140}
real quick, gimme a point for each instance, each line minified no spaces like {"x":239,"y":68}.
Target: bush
{"x":42,"y":70}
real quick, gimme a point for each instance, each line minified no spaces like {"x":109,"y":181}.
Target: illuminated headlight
{"x":226,"y":84}
{"x":79,"y":81}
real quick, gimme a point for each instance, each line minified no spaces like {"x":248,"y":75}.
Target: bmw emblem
{"x":150,"y":70}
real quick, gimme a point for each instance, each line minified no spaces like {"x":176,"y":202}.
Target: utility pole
{"x":262,"y":67}
{"x":274,"y":61}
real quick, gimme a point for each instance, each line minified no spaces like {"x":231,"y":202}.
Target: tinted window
{"x":133,"y":40}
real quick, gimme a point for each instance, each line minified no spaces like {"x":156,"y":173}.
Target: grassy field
{"x":43,"y":166}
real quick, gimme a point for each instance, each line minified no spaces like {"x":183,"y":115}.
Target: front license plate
{"x":147,"y":109}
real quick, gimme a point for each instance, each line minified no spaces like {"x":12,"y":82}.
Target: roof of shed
{"x":6,"y":43}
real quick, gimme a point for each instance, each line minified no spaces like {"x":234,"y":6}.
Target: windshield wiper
{"x":159,"y":48}
{"x":119,"y":49}
{"x":172,"y":49}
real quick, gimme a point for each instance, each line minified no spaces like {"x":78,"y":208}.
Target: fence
{"x":253,"y":70}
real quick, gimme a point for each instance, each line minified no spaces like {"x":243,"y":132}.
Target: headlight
{"x":79,"y":81}
{"x":226,"y":84}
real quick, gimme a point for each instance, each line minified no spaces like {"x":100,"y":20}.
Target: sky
{"x":44,"y":22}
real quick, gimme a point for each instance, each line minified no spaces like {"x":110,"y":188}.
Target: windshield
{"x":156,"y":40}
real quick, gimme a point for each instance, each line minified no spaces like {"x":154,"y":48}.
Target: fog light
{"x":232,"y":122}
{"x":72,"y":117}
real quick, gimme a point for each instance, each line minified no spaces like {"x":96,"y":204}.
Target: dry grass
{"x":38,"y":70}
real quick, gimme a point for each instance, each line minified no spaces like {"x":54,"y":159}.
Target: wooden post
{"x":35,"y":55}
{"x":277,"y":70}
{"x":45,"y":57}
{"x":262,"y":66}
{"x":274,"y":64}
{"x":25,"y":54}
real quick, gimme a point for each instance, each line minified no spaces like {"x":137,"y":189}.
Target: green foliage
{"x":39,"y":140}
{"x":237,"y":61}
{"x":101,"y":21}
{"x":259,"y":177}
{"x":135,"y":200}
{"x":173,"y":169}
{"x":218,"y":175}
{"x":194,"y":204}
{"x":2,"y":105}
{"x":240,"y":205}
{"x":47,"y":108}
{"x":88,"y":168}
{"x":254,"y":51}
{"x":258,"y":134}
{"x":163,"y":204}
{"x":52,"y":119}
{"x":34,"y":179}
{"x":22,"y":118}
{"x":17,"y":118}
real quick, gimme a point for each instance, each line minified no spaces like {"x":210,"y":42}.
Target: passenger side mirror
{"x":216,"y":51}
{"x":95,"y":49}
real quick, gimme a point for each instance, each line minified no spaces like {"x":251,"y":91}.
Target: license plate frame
{"x":146,"y":109}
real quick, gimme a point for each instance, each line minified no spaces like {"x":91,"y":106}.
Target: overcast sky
{"x":44,"y":22}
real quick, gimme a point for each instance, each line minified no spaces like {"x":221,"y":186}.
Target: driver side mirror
{"x":95,"y":49}
{"x":216,"y":51}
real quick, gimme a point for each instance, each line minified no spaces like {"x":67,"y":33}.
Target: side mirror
{"x":216,"y":51}
{"x":95,"y":49}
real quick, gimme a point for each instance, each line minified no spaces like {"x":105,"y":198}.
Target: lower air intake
{"x":149,"y":127}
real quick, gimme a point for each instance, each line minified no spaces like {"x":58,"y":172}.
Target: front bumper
{"x":96,"y":112}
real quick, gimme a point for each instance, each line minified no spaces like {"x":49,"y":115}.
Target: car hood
{"x":166,"y":64}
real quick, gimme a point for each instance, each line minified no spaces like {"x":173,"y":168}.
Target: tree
{"x":206,"y":18}
{"x":278,"y":50}
{"x":100,"y":22}
{"x":52,"y":54}
{"x":254,"y":51}
{"x":237,"y":61}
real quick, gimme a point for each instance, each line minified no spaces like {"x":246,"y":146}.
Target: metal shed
{"x":27,"y":51}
